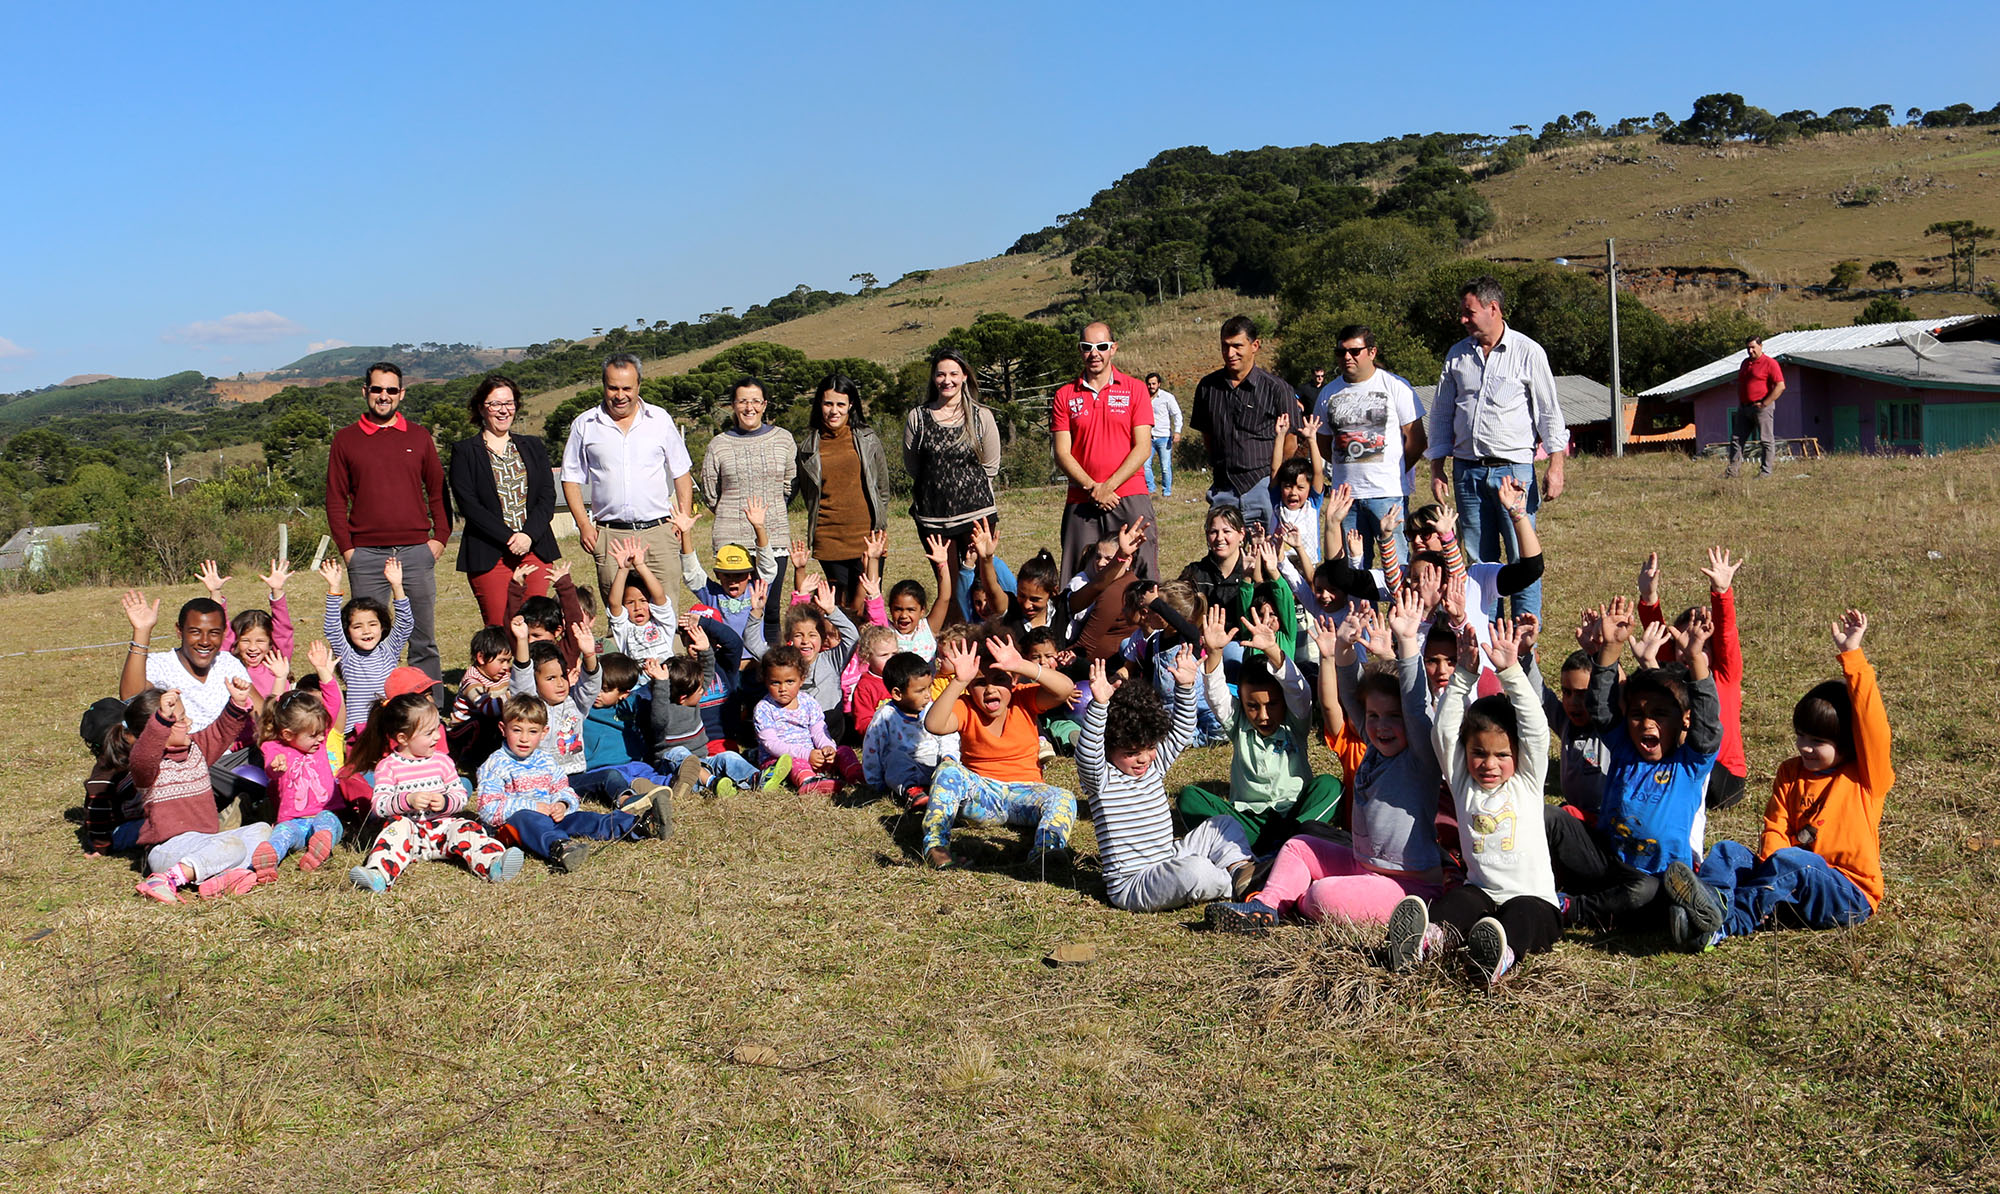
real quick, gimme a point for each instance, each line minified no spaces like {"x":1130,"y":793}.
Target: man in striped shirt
{"x":1124,"y":773}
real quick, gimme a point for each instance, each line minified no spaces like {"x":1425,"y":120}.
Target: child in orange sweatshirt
{"x":1820,"y":861}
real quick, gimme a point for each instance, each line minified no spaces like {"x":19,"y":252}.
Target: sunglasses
{"x":1354,"y":352}
{"x":1087,"y":346}
{"x":391,"y":391}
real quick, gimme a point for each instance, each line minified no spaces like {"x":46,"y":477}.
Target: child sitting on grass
{"x":1819,"y":862}
{"x":790,"y":724}
{"x":539,"y":669}
{"x":169,"y":766}
{"x":823,"y":637}
{"x":472,"y":729}
{"x":889,"y":761}
{"x":261,"y":639}
{"x":876,"y":645}
{"x":1128,"y":743}
{"x":910,"y":612}
{"x":679,"y":730}
{"x":1725,"y":664}
{"x":522,"y":788}
{"x":549,"y":618}
{"x":367,"y":640}
{"x":1653,"y":811}
{"x":1272,"y":791}
{"x":418,"y":797}
{"x":1494,"y":755}
{"x":294,"y":731}
{"x":1298,"y":489}
{"x":617,"y":731}
{"x":642,"y":613}
{"x":997,"y":774}
{"x":729,"y":593}
{"x":1394,"y":851}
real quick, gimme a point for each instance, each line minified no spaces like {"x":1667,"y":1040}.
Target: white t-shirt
{"x":204,"y":700}
{"x":1166,"y":415}
{"x":1365,"y":420}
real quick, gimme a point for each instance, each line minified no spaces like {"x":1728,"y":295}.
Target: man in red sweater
{"x":385,"y":497}
{"x":1759,"y":385}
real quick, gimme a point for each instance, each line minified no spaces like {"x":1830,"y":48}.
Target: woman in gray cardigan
{"x":749,"y":458}
{"x":841,"y":472}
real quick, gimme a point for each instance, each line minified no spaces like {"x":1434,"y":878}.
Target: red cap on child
{"x":406,"y":680}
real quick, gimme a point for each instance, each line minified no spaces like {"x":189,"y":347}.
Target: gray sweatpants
{"x":1197,"y":873}
{"x":209,"y":854}
{"x":364,"y":576}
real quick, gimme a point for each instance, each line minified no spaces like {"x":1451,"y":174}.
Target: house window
{"x":1900,"y":422}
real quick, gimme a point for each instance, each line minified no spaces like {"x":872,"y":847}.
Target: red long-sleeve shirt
{"x":385,"y":487}
{"x":1725,"y":666}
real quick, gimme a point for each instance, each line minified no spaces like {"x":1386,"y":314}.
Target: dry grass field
{"x":780,"y":998}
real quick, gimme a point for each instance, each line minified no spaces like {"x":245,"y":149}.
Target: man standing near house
{"x":1250,"y":421}
{"x":1495,"y":399}
{"x":1166,"y":435}
{"x":1759,"y":385}
{"x":637,"y":466}
{"x":1102,"y":425}
{"x":385,"y":497}
{"x":1370,"y":426}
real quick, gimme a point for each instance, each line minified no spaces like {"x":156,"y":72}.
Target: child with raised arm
{"x":1128,"y":743}
{"x":549,"y":617}
{"x":1394,"y":851}
{"x":824,"y":638}
{"x":185,"y":845}
{"x":914,"y":614}
{"x":1272,"y":790}
{"x":1725,"y":664}
{"x":418,"y":797}
{"x":261,"y":639}
{"x":1494,"y":753}
{"x":1662,"y":745}
{"x":1298,"y":490}
{"x":729,"y":592}
{"x":294,"y":733}
{"x":539,"y":670}
{"x":1819,"y":861}
{"x":367,"y":639}
{"x":641,"y":611}
{"x":997,"y":774}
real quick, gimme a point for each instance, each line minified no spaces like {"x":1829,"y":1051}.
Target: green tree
{"x":1362,"y":262}
{"x":1104,"y":268}
{"x":1886,"y":272}
{"x":1844,"y":276}
{"x":1314,"y":339}
{"x":1964,"y":236}
{"x":1441,"y":195}
{"x":869,"y":282}
{"x":1884,"y":309}
{"x":1719,"y":117}
{"x":291,"y":432}
{"x":46,"y":454}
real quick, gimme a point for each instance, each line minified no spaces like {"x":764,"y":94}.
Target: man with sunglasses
{"x":385,"y":497}
{"x":1102,"y":424}
{"x":1370,"y":431}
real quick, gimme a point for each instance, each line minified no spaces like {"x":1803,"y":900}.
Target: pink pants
{"x":1327,"y":882}
{"x":846,"y":767}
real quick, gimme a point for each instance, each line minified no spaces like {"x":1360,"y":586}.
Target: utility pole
{"x":1617,"y":391}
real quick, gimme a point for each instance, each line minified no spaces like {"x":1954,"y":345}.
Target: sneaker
{"x":368,"y":879}
{"x":160,"y":887}
{"x":234,"y":881}
{"x":722,"y":789}
{"x":916,"y":798}
{"x":659,"y":824}
{"x":1045,"y":751}
{"x":637,"y":798}
{"x":264,"y":862}
{"x":1243,"y":878}
{"x":687,"y":777}
{"x":1409,"y":932}
{"x":1702,"y":906}
{"x":818,"y":786}
{"x":1488,"y":953}
{"x":568,"y":857}
{"x":1250,"y":916}
{"x":771,"y":778}
{"x":507,"y":865}
{"x":319,"y":847}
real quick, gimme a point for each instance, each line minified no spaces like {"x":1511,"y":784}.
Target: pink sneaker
{"x":230,"y":882}
{"x":818,"y":787}
{"x":159,"y":887}
{"x":264,"y":862}
{"x":319,"y":848}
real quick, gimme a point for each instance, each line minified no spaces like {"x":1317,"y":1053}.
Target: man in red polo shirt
{"x":1759,"y":385}
{"x":1103,"y":428}
{"x":385,"y":497}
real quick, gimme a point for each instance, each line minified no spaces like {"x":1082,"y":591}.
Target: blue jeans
{"x":1483,"y":524}
{"x":1255,"y":505}
{"x":125,"y":836}
{"x":1752,"y":891}
{"x":1163,"y":448}
{"x":541,"y":833}
{"x":1366,"y":516}
{"x":287,"y":836}
{"x":726,"y":763}
{"x":606,"y":783}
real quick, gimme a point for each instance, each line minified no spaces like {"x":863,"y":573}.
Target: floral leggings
{"x":957,"y":792}
{"x":405,"y":840}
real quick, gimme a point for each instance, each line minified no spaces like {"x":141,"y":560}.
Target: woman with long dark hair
{"x":841,"y":472}
{"x":951,"y":449}
{"x":506,"y":497}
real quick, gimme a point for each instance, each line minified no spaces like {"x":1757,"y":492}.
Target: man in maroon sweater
{"x":385,"y":497}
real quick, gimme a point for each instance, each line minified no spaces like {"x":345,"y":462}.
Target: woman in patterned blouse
{"x":951,"y":450}
{"x":505,"y":495}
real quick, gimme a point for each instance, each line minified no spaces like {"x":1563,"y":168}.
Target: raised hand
{"x":983,"y":542}
{"x":1649,"y":579}
{"x":1353,"y":629}
{"x":1454,"y":600}
{"x":211,"y":578}
{"x":760,"y":592}
{"x":1357,"y":547}
{"x":1615,"y":627}
{"x":274,"y":580}
{"x":657,"y":672}
{"x":392,"y":572}
{"x":697,"y":638}
{"x":963,"y":658}
{"x":1503,"y":646}
{"x":1215,"y":632}
{"x":876,"y":545}
{"x":1447,"y":520}
{"x":1589,"y":629}
{"x":1006,"y":656}
{"x":1406,"y":616}
{"x":1339,"y":502}
{"x":1468,"y":648}
{"x":1649,"y":644}
{"x":823,"y":595}
{"x":141,"y":614}
{"x":1721,"y":570}
{"x":1530,"y":628}
{"x":683,"y":524}
{"x":1701,"y":628}
{"x":938,"y":551}
{"x":558,"y":570}
{"x":1375,"y":634}
{"x":1264,"y":627}
{"x":871,"y":585}
{"x":1513,"y":498}
{"x":1131,"y":537}
{"x":1848,"y":630}
{"x":753,"y":512}
{"x":1393,"y":520}
{"x":320,"y":656}
{"x":171,"y":708}
{"x":799,"y":552}
{"x":240,"y":692}
{"x":1101,"y":686}
{"x":585,"y":640}
{"x":517,"y":627}
{"x":522,"y":573}
{"x":1186,"y":667}
{"x":1326,"y":637}
{"x":1311,"y":426}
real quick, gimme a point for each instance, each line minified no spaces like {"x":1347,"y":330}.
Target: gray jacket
{"x":874,"y":473}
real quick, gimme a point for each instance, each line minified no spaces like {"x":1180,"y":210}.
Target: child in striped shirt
{"x":1122,"y":758}
{"x":522,"y":787}
{"x":367,"y":640}
{"x":419,"y":795}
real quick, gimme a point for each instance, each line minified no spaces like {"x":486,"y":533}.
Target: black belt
{"x":644,"y":525}
{"x":1486,"y":461}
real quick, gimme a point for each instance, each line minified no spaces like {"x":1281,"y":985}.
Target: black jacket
{"x":483,"y":532}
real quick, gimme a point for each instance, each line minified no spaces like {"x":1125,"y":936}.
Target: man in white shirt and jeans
{"x":1166,"y":435}
{"x":1370,"y":427}
{"x":639,"y":473}
{"x":1495,"y":399}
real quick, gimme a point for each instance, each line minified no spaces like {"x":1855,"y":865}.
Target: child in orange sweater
{"x":1820,"y":861}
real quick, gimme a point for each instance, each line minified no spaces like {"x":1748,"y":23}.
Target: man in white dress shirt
{"x":1166,"y":435}
{"x":636,"y":464}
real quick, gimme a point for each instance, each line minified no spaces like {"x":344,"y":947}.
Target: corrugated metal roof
{"x":1583,"y":401}
{"x":1964,"y":365}
{"x":1867,"y":335}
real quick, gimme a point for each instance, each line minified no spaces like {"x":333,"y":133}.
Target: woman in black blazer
{"x":506,"y":495}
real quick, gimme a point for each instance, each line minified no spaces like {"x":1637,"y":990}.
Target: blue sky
{"x":221,"y":187}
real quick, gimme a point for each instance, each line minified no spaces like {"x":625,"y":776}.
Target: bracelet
{"x":138,"y":649}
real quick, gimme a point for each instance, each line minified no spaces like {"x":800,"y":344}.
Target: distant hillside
{"x":118,"y":394}
{"x":432,"y":362}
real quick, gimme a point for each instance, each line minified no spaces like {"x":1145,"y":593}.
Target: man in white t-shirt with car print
{"x":1370,"y":428}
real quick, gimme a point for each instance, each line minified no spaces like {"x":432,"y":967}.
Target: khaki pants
{"x":663,"y":556}
{"x":1759,"y":420}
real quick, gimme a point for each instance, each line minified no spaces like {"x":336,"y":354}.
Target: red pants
{"x":489,"y":588}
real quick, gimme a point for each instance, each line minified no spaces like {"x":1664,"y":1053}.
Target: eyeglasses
{"x":391,"y":391}
{"x":1353,"y":352}
{"x":1105,"y":346}
{"x":500,"y":408}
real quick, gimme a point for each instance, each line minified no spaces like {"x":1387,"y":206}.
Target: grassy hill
{"x":1784,"y":214}
{"x":560,"y":1030}
{"x":430,"y":362}
{"x":183,"y":389}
